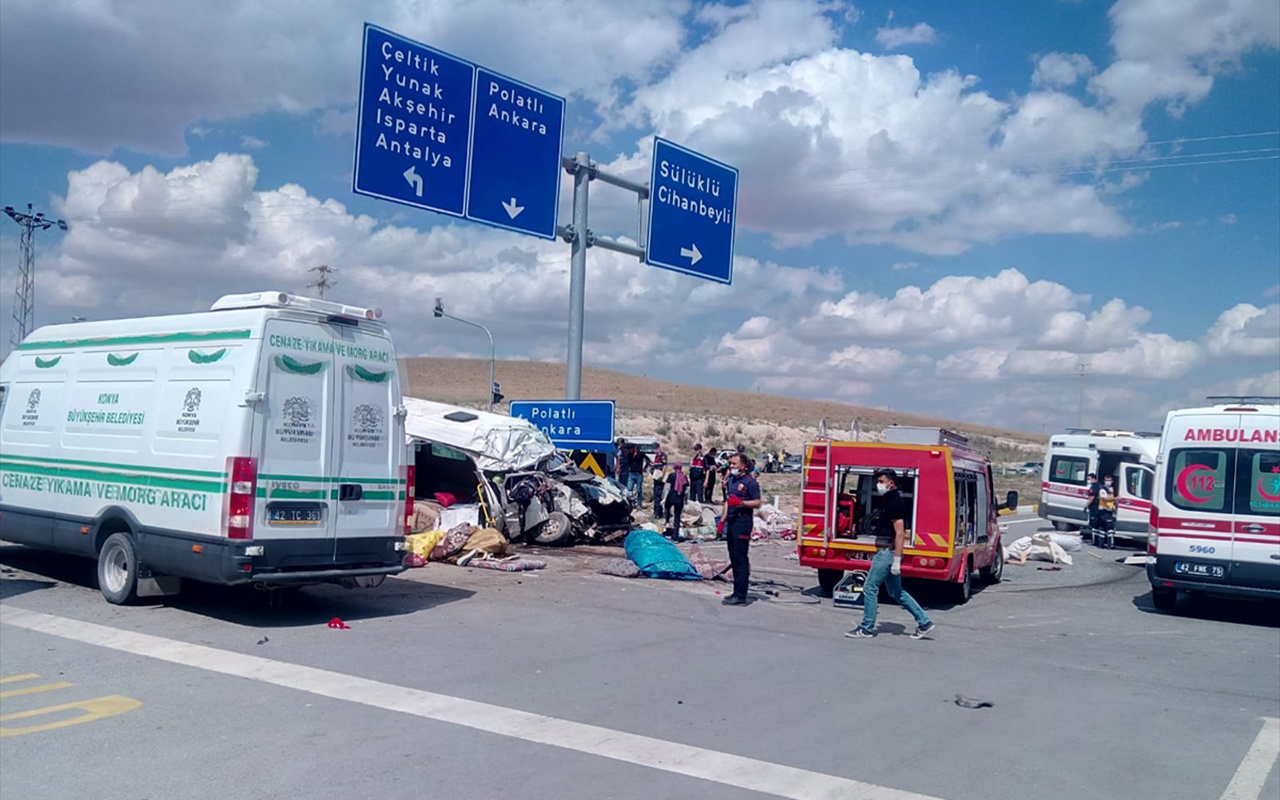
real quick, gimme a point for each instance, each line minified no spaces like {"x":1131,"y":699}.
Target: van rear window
{"x":1197,"y":479}
{"x":1068,"y":469}
{"x":1263,"y":470}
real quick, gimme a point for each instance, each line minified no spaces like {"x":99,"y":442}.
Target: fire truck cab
{"x":952,"y":526}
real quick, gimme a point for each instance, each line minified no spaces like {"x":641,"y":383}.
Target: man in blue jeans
{"x":886,"y":566}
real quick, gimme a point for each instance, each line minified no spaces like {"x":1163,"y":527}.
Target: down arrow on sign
{"x":513,"y":210}
{"x":694,"y":255}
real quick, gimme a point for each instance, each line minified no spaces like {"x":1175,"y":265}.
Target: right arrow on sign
{"x":415,"y":180}
{"x":513,"y":210}
{"x":694,"y":255}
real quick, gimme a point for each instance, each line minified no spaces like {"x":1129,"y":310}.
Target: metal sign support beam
{"x":584,"y":170}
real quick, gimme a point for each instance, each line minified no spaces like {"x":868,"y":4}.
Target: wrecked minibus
{"x":491,"y":470}
{"x":951,"y":525}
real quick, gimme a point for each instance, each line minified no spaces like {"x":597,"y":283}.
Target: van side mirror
{"x":1011,"y":501}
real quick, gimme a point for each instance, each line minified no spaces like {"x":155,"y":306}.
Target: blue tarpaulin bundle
{"x":657,"y":557}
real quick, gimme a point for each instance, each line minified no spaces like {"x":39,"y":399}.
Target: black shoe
{"x":734,"y":600}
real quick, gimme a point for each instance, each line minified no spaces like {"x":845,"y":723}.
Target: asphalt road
{"x":458,"y":683}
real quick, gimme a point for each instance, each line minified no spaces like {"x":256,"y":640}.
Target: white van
{"x":1216,"y":523}
{"x":1128,"y":457}
{"x":260,"y":442}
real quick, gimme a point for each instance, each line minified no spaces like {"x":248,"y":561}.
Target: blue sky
{"x":941,"y":210}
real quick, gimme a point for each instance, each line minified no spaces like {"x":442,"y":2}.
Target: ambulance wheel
{"x":828,"y":579}
{"x":964,"y":589}
{"x":1064,"y":526}
{"x":1164,"y":598}
{"x":995,"y":572}
{"x":558,"y":529}
{"x":118,"y":569}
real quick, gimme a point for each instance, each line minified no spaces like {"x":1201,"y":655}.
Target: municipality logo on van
{"x":366,"y":426}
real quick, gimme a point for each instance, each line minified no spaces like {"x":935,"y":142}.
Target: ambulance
{"x":951,"y":529}
{"x":1215,"y":527}
{"x":1128,"y":457}
{"x":261,"y":442}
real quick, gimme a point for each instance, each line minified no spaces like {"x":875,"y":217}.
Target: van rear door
{"x":294,"y":432}
{"x":1255,"y":547}
{"x":369,"y":451}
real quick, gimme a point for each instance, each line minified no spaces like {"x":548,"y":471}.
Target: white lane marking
{"x":1251,"y":777}
{"x":682,"y":759}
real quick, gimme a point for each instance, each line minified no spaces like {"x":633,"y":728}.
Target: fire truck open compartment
{"x":856,"y":501}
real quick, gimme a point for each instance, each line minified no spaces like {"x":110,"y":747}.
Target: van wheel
{"x":964,"y":590}
{"x":1164,"y":598}
{"x":558,"y":529}
{"x":118,"y":569}
{"x":828,"y":579}
{"x":995,"y":572}
{"x":1064,"y":526}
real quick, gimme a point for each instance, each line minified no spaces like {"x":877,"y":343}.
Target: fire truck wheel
{"x":828,"y":579}
{"x":964,"y":589}
{"x":993,"y":573}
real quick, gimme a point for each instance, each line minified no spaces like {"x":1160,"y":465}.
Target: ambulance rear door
{"x":1133,"y":500}
{"x":1255,"y":547}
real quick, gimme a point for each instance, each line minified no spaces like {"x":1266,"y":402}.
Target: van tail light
{"x":237,"y":504}
{"x":1152,"y":533}
{"x":409,"y":474}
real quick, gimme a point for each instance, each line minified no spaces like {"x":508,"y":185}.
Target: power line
{"x":24,"y":293}
{"x":323,"y":282}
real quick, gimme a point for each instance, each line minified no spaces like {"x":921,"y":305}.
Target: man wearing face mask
{"x":742,"y":498}
{"x":1104,"y":530}
{"x":886,"y":565}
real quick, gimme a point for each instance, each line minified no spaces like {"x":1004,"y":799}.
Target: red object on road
{"x":339,"y":624}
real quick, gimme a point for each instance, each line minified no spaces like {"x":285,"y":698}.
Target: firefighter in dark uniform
{"x":742,"y":498}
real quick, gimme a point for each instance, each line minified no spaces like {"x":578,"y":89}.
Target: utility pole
{"x":24,"y":294}
{"x":1082,"y":368}
{"x":323,"y":282}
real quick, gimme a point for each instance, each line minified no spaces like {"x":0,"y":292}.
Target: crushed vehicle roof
{"x":496,"y":442}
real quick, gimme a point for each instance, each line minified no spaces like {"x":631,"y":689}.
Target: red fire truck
{"x":951,"y":526}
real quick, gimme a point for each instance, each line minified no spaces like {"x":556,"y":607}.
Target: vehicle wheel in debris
{"x":827,"y":580}
{"x":558,"y":529}
{"x":993,"y":573}
{"x":964,"y":589}
{"x":1164,"y":598}
{"x":1064,"y":526}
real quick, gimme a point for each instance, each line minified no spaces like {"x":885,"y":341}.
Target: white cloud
{"x":899,"y":266}
{"x":252,"y":143}
{"x":1056,"y":70}
{"x":1172,"y":51}
{"x":1246,"y":331}
{"x":895,"y":38}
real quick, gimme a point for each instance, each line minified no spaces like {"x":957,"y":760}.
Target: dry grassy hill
{"x":682,"y":415}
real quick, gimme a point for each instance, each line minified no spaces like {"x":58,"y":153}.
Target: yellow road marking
{"x":33,"y":689}
{"x":94,"y":709}
{"x":26,"y":677}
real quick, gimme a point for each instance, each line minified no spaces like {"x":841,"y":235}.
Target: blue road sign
{"x":515,"y":155}
{"x":571,"y":424}
{"x":414,"y":125}
{"x":693,"y":202}
{"x":438,"y":132}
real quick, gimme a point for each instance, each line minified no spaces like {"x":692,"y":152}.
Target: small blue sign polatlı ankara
{"x":570,"y":424}
{"x":440,"y":133}
{"x":693,"y":206}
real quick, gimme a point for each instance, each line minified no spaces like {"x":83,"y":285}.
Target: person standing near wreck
{"x":677,"y":489}
{"x":709,"y":485}
{"x":742,"y":498}
{"x":697,"y":475}
{"x":658,"y":472}
{"x":637,"y":463}
{"x":889,"y":526}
